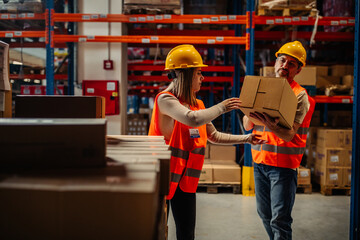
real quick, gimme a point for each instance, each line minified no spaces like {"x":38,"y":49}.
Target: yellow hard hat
{"x":183,"y":56}
{"x":294,"y":49}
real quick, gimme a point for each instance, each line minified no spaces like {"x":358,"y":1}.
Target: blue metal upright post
{"x":71,"y":52}
{"x":235,"y":91}
{"x":249,"y":68}
{"x":248,"y":184}
{"x":355,"y":168}
{"x":49,"y":48}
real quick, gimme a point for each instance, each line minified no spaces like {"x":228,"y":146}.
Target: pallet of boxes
{"x":332,"y":164}
{"x":220,"y":171}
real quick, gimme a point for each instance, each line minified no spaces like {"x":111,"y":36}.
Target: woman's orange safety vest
{"x":187,"y":154}
{"x":277,"y":152}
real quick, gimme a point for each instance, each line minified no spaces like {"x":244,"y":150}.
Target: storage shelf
{"x":320,"y":36}
{"x":146,"y":39}
{"x":304,"y":21}
{"x":142,"y":78}
{"x":334,"y":99}
{"x":22,"y":16}
{"x":19,"y":34}
{"x":38,"y":76}
{"x":164,"y":18}
{"x":133,"y":67}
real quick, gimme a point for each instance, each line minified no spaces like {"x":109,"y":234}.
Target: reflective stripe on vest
{"x":279,"y":149}
{"x":187,"y":154}
{"x":179,"y":153}
{"x":278,"y":152}
{"x":301,"y":130}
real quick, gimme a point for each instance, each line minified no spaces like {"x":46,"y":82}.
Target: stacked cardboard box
{"x":138,"y":124}
{"x":307,"y":76}
{"x":220,"y":167}
{"x":125,"y":199}
{"x":304,"y":176}
{"x":333,"y":156}
{"x":151,"y":6}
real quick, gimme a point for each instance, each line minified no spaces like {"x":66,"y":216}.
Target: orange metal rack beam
{"x":38,"y":76}
{"x":304,"y":20}
{"x":142,"y":78}
{"x":133,"y":67}
{"x":22,"y":16}
{"x":334,"y":99}
{"x":164,"y":18}
{"x":18,"y":34}
{"x":152,"y":39}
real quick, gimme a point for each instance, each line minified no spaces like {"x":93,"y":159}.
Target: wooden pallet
{"x":307,"y":189}
{"x":335,"y":190}
{"x":286,"y":11}
{"x":219,"y":188}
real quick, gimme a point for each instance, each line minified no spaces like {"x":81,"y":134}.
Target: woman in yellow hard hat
{"x":186,"y":126}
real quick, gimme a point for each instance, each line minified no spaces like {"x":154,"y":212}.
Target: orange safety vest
{"x":277,"y":152}
{"x":187,"y":154}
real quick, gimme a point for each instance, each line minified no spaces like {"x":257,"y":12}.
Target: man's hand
{"x":255,"y":139}
{"x":269,"y":122}
{"x":272,"y":124}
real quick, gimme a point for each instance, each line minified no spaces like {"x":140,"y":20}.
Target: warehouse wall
{"x":92,"y":55}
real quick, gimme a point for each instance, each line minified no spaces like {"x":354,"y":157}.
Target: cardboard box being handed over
{"x":273,"y":96}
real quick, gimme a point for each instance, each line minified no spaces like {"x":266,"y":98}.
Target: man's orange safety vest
{"x":277,"y":152}
{"x":187,"y":154}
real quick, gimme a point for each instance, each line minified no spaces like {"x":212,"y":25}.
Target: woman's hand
{"x":255,"y":139}
{"x":231,"y":104}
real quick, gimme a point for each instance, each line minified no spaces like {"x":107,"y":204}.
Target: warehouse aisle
{"x":229,"y":217}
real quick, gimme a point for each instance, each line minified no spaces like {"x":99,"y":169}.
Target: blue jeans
{"x":275,"y":190}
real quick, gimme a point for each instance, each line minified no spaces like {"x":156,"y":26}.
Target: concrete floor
{"x":226,"y":216}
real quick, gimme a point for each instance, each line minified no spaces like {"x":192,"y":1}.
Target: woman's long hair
{"x":181,"y":86}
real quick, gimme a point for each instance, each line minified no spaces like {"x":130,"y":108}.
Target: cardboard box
{"x":273,"y":96}
{"x":226,"y":172}
{"x":332,"y":157}
{"x":206,"y":173}
{"x":312,"y":135}
{"x":341,"y":70}
{"x":346,"y":177}
{"x":320,"y":70}
{"x":304,"y":176}
{"x":310,"y":155}
{"x":153,"y":2}
{"x":306,"y":77}
{"x":52,"y":143}
{"x":268,"y":72}
{"x":332,"y":176}
{"x":334,"y":138}
{"x":79,"y":206}
{"x":348,"y":159}
{"x":222,"y":152}
{"x":207,"y":151}
{"x":324,"y":81}
{"x":348,"y":80}
{"x":262,"y":3}
{"x":59,"y":106}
